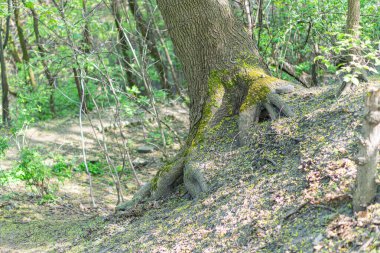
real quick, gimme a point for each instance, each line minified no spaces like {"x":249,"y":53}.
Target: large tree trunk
{"x":227,"y":82}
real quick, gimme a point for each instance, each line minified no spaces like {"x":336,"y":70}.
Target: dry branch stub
{"x":368,"y":155}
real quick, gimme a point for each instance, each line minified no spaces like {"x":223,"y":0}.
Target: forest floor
{"x":288,"y":190}
{"x":22,"y":216}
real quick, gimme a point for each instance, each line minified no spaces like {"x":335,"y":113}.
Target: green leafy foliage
{"x":364,"y":59}
{"x":33,"y":171}
{"x":3,"y":145}
{"x":95,"y":168}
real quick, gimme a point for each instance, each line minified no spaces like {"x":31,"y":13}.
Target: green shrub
{"x":3,"y":145}
{"x":32,"y":170}
{"x":95,"y":168}
{"x":4,"y":178}
{"x":61,"y":169}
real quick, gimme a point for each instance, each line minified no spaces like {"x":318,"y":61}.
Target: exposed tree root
{"x":194,"y":180}
{"x":167,"y":178}
{"x":250,"y":96}
{"x":283,"y":108}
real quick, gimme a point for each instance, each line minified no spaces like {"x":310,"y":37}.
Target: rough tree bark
{"x":369,"y":153}
{"x":353,"y":18}
{"x":227,"y":83}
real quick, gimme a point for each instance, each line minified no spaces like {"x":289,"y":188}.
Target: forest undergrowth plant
{"x":95,"y":168}
{"x":32,"y":169}
{"x":351,"y":58}
{"x":4,"y":175}
{"x":3,"y":146}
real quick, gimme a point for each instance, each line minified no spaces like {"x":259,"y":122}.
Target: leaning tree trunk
{"x":368,"y":156}
{"x":227,"y":80}
{"x":23,"y":43}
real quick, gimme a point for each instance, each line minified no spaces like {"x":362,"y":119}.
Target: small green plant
{"x":47,"y":198}
{"x":61,"y":169}
{"x":3,"y":146}
{"x":4,"y":178}
{"x":95,"y":168}
{"x":32,"y":170}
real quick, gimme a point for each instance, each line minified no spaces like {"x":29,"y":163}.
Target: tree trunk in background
{"x":176,"y":81}
{"x":49,"y":76}
{"x":353,"y":18}
{"x":123,"y":44}
{"x":227,"y":83}
{"x":87,"y":41}
{"x":260,"y":21}
{"x":13,"y":50}
{"x":369,"y":153}
{"x":77,"y":73}
{"x":23,"y":43}
{"x":353,"y":29}
{"x":4,"y":80}
{"x":247,"y":12}
{"x":150,"y":41}
{"x":81,"y":92}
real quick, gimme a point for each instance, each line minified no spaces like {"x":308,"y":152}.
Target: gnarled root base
{"x":274,"y":107}
{"x":240,"y":96}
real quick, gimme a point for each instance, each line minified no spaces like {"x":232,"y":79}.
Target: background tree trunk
{"x":23,"y":43}
{"x":352,"y":29}
{"x":123,"y":45}
{"x":150,"y":41}
{"x":353,"y":18}
{"x":49,"y":76}
{"x":4,"y":81}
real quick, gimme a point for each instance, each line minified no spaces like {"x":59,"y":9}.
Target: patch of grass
{"x":95,"y":168}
